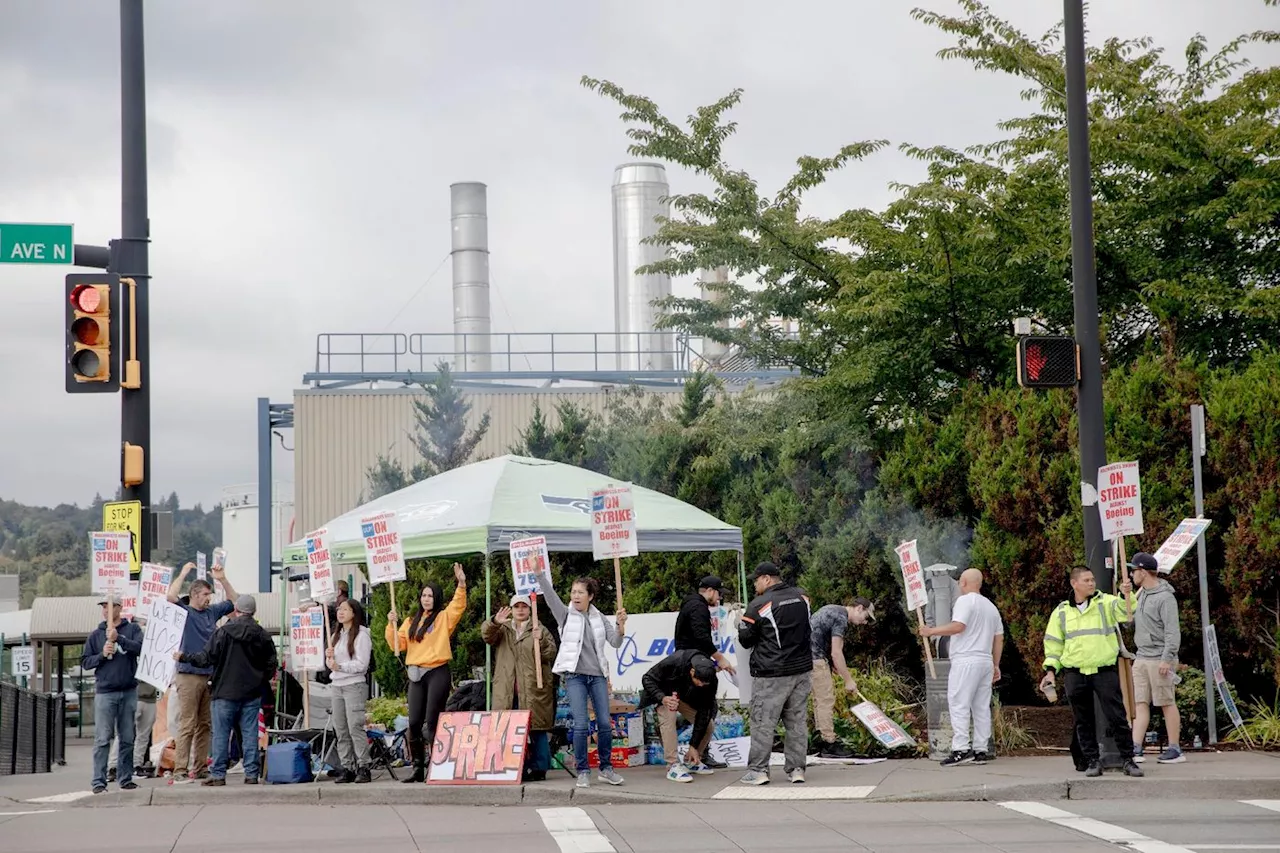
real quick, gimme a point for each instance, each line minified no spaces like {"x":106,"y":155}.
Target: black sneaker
{"x":957,"y":758}
{"x":251,"y":780}
{"x":1131,"y":768}
{"x":345,"y":779}
{"x":981,"y":758}
{"x":363,"y":777}
{"x":99,"y":789}
{"x":835,"y":749}
{"x":111,"y":775}
{"x":129,"y":786}
{"x":708,"y":761}
{"x":1095,"y":769}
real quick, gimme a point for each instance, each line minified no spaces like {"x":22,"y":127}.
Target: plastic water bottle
{"x":1197,"y":744}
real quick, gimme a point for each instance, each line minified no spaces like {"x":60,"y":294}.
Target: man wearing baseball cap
{"x":776,"y":629}
{"x":827,"y":629}
{"x":693,"y":623}
{"x":1158,"y":637}
{"x":112,"y":651}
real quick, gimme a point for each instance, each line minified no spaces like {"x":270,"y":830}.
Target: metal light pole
{"x":1197,"y":453}
{"x":128,"y":256}
{"x":1093,"y":448}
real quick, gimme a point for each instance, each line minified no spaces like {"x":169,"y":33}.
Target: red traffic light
{"x":86,"y":298}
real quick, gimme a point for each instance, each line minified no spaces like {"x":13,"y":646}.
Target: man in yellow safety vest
{"x":1081,"y":640}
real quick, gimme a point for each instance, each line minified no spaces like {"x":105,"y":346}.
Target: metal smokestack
{"x":639,"y":193}
{"x":714,"y":351}
{"x":469,"y":218}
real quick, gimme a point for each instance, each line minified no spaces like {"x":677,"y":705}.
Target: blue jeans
{"x":578,"y":687}
{"x":229,"y":714}
{"x":539,"y":755}
{"x":113,"y":716}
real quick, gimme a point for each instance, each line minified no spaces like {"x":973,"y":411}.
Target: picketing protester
{"x":513,"y":635}
{"x":191,"y":743}
{"x":693,"y":622}
{"x":827,"y":628}
{"x":977,"y":633}
{"x":348,"y":657}
{"x":144,"y":720}
{"x":1082,"y":641}
{"x":112,"y":651}
{"x":584,"y":631}
{"x":1158,"y":637}
{"x":683,"y":684}
{"x":775,"y":627}
{"x":425,"y":639}
{"x":243,"y":658}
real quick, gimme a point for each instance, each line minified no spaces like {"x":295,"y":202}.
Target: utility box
{"x":937,"y":710}
{"x":942,"y":589}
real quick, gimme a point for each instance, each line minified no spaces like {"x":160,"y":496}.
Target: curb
{"x":1102,"y":789}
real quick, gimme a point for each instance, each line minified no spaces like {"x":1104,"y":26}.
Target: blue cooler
{"x":288,"y":763}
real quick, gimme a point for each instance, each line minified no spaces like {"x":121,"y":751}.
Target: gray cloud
{"x":301,"y":152}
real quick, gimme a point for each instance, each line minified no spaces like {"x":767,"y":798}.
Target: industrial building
{"x":358,"y":401}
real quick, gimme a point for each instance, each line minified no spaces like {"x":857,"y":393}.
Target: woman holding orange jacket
{"x":424,"y":637}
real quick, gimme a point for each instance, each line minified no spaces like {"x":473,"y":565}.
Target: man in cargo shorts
{"x":1158,"y":637}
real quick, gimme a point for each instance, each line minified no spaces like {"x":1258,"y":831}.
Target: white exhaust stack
{"x":469,"y":217}
{"x":639,"y":193}
{"x":713,"y":351}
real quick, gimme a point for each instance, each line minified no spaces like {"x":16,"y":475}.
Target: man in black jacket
{"x":693,"y":623}
{"x":775,"y":628}
{"x":243,"y":657}
{"x":683,"y":683}
{"x":112,"y":650}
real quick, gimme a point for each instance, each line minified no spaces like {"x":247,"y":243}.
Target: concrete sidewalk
{"x":1205,"y":775}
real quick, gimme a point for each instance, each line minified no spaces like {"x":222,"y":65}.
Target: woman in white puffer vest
{"x":581,"y":663}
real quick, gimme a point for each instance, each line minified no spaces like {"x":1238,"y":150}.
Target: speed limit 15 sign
{"x":23,"y":661}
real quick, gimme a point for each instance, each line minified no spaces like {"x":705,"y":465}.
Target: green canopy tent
{"x":482,"y":507}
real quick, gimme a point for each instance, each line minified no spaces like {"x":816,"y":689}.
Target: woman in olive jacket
{"x":512,"y":634}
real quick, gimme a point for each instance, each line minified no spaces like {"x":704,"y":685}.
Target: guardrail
{"x":33,"y":732}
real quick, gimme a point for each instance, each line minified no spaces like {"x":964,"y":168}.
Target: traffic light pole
{"x":128,"y":256}
{"x":1084,"y":274}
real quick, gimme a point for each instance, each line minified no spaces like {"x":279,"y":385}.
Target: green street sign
{"x":36,"y":243}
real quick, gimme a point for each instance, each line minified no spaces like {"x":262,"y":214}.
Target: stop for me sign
{"x":1120,"y":500}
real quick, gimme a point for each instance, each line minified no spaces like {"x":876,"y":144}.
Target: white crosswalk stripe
{"x":574,"y":831}
{"x":1272,"y":805}
{"x":1098,"y":829}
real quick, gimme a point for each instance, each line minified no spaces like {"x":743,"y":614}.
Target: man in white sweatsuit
{"x":977,"y":633}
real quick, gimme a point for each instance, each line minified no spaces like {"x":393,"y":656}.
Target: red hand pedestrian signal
{"x":1048,"y":361}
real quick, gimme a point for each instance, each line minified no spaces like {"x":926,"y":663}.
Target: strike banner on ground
{"x":613,"y":523}
{"x":160,"y":639}
{"x":1215,"y":669}
{"x":529,"y":558}
{"x":912,"y":575}
{"x":153,"y":584}
{"x":383,"y":550}
{"x":479,"y":748}
{"x":1120,"y":500}
{"x":202,"y":567}
{"x":320,"y":565}
{"x":109,"y":562}
{"x":881,"y":727}
{"x":306,"y":639}
{"x":1179,"y":543}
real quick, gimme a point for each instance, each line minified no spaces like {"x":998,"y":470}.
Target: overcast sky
{"x":301,"y":154}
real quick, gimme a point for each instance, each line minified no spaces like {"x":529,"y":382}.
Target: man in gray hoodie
{"x":1158,"y":638}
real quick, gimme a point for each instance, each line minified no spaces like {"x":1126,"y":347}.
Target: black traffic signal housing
{"x":93,"y":322}
{"x":1048,"y":361}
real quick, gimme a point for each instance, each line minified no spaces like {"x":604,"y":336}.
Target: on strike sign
{"x":1120,"y":500}
{"x":110,"y":553}
{"x":613,"y":523}
{"x":320,"y":565}
{"x":1179,"y":543}
{"x":383,"y":550}
{"x":912,"y":575}
{"x":529,"y":558}
{"x":881,"y":727}
{"x":153,"y":584}
{"x":306,"y":639}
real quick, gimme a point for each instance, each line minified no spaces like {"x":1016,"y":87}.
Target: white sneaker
{"x":754,"y":777}
{"x":610,"y":776}
{"x":678,"y":773}
{"x":584,"y":780}
{"x":796,"y":776}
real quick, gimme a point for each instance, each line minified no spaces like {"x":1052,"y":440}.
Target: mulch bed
{"x":1051,"y":727}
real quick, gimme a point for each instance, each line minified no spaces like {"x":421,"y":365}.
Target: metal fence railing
{"x":33,"y":732}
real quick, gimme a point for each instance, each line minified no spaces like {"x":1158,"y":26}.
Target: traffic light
{"x":93,"y":339}
{"x":131,"y":465}
{"x":1048,"y":361}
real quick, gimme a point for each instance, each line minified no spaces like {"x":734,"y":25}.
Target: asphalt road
{"x":1060,"y":827}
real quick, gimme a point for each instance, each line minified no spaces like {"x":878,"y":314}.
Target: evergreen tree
{"x":442,"y":437}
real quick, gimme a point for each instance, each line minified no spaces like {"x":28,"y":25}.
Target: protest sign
{"x":1120,"y":500}
{"x":1220,"y":678}
{"x":202,"y":567}
{"x":219,"y":562}
{"x":319,"y":564}
{"x":912,"y":575}
{"x":153,"y":584}
{"x":529,"y":558}
{"x":129,"y":603}
{"x":881,"y":727}
{"x":383,"y":550}
{"x":306,"y":639}
{"x":160,"y":639}
{"x":613,"y":523}
{"x":1179,"y":543}
{"x":109,"y":555}
{"x":479,"y":748}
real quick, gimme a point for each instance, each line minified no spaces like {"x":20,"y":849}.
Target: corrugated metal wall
{"x":340,"y":433}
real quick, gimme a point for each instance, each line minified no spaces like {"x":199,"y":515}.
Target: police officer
{"x":1082,"y":640}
